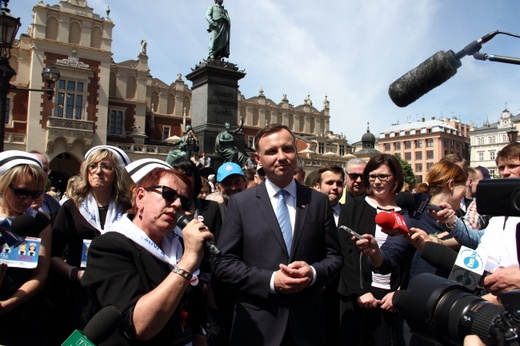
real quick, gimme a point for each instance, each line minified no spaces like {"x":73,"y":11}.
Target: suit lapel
{"x":303,"y":200}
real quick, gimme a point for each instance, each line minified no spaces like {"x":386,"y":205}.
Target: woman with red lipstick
{"x":145,"y":270}
{"x":22,"y":309}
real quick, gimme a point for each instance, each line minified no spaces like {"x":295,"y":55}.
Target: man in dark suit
{"x":279,"y":279}
{"x":331,"y":182}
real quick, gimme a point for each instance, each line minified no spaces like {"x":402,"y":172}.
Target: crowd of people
{"x":135,"y":236}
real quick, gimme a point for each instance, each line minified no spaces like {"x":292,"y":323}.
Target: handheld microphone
{"x":431,"y":73}
{"x":438,"y":255}
{"x":209,"y":246}
{"x":391,"y":223}
{"x":14,"y":234}
{"x":416,"y":204}
{"x":98,"y":329}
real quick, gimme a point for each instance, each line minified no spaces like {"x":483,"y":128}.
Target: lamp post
{"x":512,"y":134}
{"x":8,"y":29}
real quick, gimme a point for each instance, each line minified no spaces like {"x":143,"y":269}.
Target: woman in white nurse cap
{"x":100,"y":197}
{"x":22,"y":181}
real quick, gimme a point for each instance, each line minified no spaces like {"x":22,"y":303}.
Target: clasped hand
{"x":293,"y":277}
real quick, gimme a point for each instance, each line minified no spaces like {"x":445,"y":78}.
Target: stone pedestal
{"x":214,"y":102}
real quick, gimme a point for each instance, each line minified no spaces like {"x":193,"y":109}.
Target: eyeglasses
{"x":381,"y":177}
{"x":104,"y":167}
{"x":354,"y":176}
{"x":24,"y":193}
{"x":170,"y":196}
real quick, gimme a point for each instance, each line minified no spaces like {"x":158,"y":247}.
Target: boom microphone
{"x":23,"y":224}
{"x":431,"y":73}
{"x":391,"y":223}
{"x":98,"y":329}
{"x":438,"y":255}
{"x":209,"y":246}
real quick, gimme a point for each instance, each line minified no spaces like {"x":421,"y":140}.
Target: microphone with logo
{"x":465,"y":267}
{"x":98,"y":329}
{"x":431,"y":73}
{"x":392,"y":223}
{"x":209,"y":246}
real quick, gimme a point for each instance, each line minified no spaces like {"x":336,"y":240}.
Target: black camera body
{"x":499,"y":197}
{"x":444,"y":311}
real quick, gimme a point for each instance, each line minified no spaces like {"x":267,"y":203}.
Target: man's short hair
{"x":508,"y":153}
{"x":269,"y":129}
{"x":332,"y":168}
{"x":355,"y":161}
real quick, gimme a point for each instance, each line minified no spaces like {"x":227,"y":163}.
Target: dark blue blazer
{"x":252,"y":248}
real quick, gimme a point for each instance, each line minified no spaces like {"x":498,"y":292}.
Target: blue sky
{"x":350,"y":51}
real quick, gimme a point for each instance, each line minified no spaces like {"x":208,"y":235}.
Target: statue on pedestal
{"x":219,"y":27}
{"x":226,"y":147}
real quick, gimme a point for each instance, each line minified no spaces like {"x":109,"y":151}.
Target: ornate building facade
{"x":99,"y":101}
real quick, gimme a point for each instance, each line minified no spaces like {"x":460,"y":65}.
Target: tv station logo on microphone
{"x":468,"y":268}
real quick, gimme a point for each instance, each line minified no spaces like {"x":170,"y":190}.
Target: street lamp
{"x":512,"y":134}
{"x":8,"y":29}
{"x":9,"y":26}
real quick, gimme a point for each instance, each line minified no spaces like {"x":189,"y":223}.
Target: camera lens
{"x":444,"y":311}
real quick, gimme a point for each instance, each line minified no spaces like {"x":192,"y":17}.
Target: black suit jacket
{"x":253,"y":247}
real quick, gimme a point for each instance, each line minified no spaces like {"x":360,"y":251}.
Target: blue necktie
{"x":282,"y":213}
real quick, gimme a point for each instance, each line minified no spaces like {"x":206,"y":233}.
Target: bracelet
{"x":182,"y":272}
{"x":73,"y":274}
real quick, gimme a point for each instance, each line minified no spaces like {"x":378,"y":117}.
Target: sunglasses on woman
{"x":170,"y":196}
{"x":24,"y":193}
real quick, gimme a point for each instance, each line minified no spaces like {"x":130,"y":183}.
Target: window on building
{"x":116,"y":122}
{"x":452,"y":143}
{"x":397,"y":145}
{"x":250,"y":141}
{"x":481,"y":156}
{"x":70,"y":99}
{"x":418,"y":155}
{"x":492,"y":172}
{"x":321,"y":148}
{"x":418,"y":167}
{"x":492,"y":155}
{"x":166,"y":131}
{"x":418,"y":143}
{"x":387,"y":147}
{"x":429,"y":165}
{"x":445,"y":142}
{"x":429,"y":142}
{"x":407,"y":144}
{"x":491,"y":139}
{"x":341,"y":149}
{"x":504,"y":138}
{"x":408,"y":156}
{"x":429,"y":154}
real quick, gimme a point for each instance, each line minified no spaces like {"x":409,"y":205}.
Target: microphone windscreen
{"x":400,"y":298}
{"x":439,"y":256}
{"x":23,"y":224}
{"x":428,"y":75}
{"x":103,"y":324}
{"x":385,"y":220}
{"x":405,"y":200}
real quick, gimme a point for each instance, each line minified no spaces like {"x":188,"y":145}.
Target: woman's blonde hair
{"x":120,"y":187}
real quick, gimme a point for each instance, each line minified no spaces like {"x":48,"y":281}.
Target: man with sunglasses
{"x":354,"y":172}
{"x":279,"y":248}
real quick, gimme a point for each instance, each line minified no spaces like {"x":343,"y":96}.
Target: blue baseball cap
{"x":227,"y":169}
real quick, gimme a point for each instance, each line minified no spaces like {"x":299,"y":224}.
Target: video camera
{"x":444,"y":311}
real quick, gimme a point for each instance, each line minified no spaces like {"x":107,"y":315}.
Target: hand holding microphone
{"x":209,"y":245}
